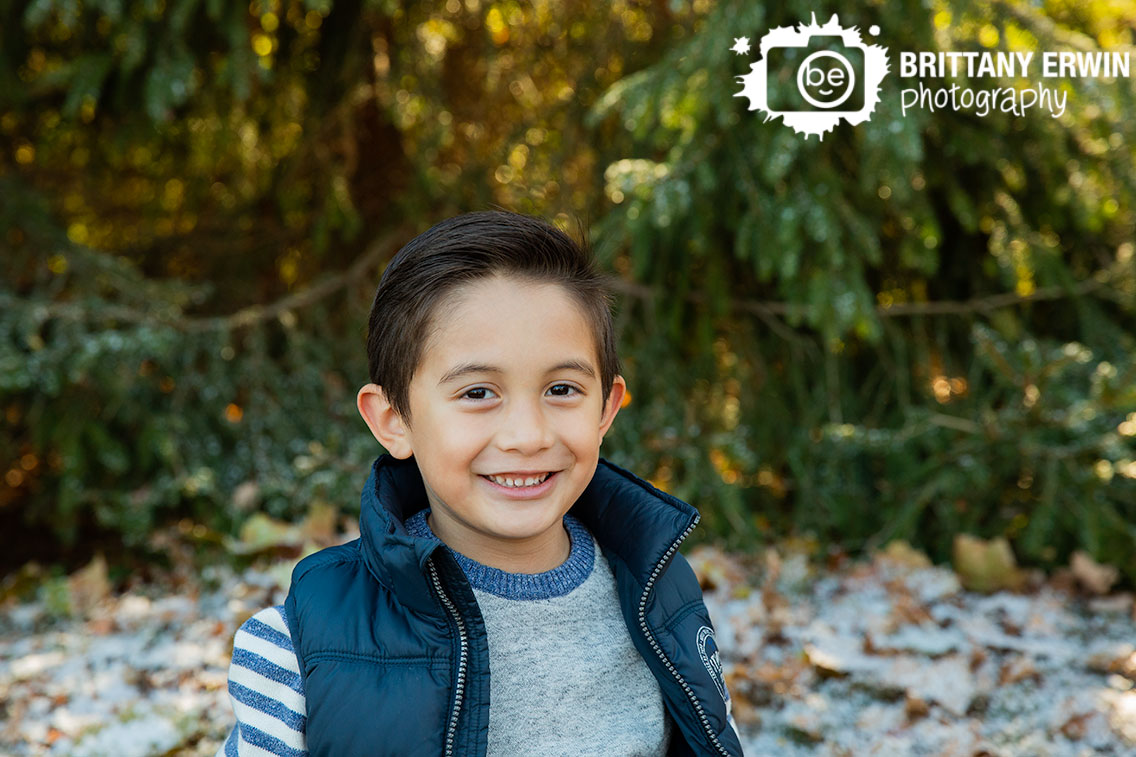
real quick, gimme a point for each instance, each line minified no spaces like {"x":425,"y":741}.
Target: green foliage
{"x":1031,"y":452}
{"x":122,"y":410}
{"x":173,"y":166}
{"x":853,"y":406}
{"x":918,"y":326}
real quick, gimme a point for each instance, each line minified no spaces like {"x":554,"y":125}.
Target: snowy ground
{"x":892,"y":657}
{"x":883,"y":657}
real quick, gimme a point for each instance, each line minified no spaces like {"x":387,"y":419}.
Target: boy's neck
{"x":536,"y":554}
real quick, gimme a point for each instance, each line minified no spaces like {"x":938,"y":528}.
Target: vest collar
{"x":629,"y":518}
{"x":393,"y":492}
{"x":632,"y":519}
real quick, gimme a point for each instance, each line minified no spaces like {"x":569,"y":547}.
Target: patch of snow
{"x":926,"y":638}
{"x":148,"y":734}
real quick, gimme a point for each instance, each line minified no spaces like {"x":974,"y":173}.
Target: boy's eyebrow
{"x":465,"y":369}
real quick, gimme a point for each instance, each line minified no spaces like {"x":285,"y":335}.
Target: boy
{"x":511,"y":593}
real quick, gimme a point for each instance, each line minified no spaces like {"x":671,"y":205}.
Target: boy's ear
{"x":384,"y":422}
{"x":614,"y":402}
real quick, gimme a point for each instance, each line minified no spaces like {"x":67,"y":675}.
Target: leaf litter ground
{"x":887,"y":656}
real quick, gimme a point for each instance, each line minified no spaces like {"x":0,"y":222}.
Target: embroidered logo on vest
{"x":708,"y":651}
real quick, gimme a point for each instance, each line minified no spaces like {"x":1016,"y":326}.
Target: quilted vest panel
{"x":379,"y":680}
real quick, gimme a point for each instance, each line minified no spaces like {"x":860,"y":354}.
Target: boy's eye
{"x":558,"y":390}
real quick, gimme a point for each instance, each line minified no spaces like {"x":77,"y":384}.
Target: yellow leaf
{"x":261,"y":533}
{"x":985,"y":566}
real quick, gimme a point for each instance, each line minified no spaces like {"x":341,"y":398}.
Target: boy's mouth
{"x":519,"y":480}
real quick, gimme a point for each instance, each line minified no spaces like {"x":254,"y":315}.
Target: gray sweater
{"x":565,"y":678}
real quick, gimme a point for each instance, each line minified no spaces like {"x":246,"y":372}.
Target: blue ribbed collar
{"x":552,"y":583}
{"x":633,"y":522}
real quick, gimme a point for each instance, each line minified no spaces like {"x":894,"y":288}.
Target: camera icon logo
{"x":814,"y":76}
{"x":826,"y":86}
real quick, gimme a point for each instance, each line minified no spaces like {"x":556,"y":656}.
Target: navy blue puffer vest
{"x":392,"y":647}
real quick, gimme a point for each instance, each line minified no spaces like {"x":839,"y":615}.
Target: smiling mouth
{"x":519,"y":481}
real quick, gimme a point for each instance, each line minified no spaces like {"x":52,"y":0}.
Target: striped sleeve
{"x":730,"y":713}
{"x":266,"y":690}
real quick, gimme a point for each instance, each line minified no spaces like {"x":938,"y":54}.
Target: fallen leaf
{"x":977,"y":657}
{"x":1074,"y":728}
{"x":741,"y":686}
{"x":261,"y":533}
{"x":89,"y":585}
{"x":23,"y":583}
{"x":319,"y":526}
{"x":1125,"y":667}
{"x":915,"y":707}
{"x":901,"y":554}
{"x":1122,"y":715}
{"x":905,"y":608}
{"x":1018,"y":669}
{"x":772,"y":600}
{"x":827,"y":665}
{"x":985,"y":566}
{"x":1092,"y":575}
{"x":1113,"y":657}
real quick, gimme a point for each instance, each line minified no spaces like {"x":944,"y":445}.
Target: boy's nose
{"x":524,"y":428}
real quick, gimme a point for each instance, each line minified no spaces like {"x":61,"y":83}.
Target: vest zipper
{"x":659,"y":650}
{"x":459,"y":689}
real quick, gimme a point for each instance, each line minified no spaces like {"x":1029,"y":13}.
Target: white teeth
{"x":518,"y":481}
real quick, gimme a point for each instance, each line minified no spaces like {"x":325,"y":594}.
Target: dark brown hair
{"x":420,"y":278}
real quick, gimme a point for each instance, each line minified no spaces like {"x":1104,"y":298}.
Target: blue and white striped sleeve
{"x":266,"y":690}
{"x":730,"y":713}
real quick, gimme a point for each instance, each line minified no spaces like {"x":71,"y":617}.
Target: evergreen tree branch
{"x":771,"y":309}
{"x":379,"y":249}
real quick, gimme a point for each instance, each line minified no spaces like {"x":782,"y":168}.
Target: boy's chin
{"x":522,"y":528}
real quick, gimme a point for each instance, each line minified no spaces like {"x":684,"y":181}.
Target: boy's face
{"x":508,"y":388}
